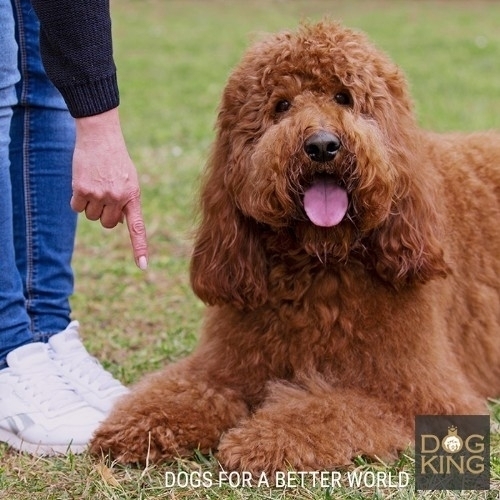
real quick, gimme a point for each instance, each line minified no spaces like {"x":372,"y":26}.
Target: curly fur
{"x":321,"y":344}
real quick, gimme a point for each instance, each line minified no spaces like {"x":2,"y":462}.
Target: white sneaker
{"x":85,"y":374}
{"x":39,"y":411}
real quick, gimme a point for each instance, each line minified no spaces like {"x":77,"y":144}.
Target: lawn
{"x":173,"y":57}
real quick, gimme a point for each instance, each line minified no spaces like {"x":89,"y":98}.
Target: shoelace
{"x":50,"y":390}
{"x":87,"y":368}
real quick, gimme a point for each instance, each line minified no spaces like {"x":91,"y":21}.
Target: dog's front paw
{"x":168,"y":418}
{"x":135,"y":438}
{"x":260,"y":445}
{"x":242,"y":449}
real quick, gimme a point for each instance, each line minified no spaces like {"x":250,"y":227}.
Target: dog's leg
{"x":169,"y":414}
{"x":313,"y":428}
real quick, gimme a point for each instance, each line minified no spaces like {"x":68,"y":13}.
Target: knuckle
{"x":137,"y":227}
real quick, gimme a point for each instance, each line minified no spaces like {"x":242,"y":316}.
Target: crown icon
{"x":452,"y":430}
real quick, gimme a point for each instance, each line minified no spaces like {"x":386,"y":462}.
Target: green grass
{"x":173,"y":58}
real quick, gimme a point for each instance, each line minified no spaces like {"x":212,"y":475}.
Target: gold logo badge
{"x":452,"y":442}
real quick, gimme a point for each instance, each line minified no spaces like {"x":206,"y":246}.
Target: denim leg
{"x":41,"y":150}
{"x":14,"y":321}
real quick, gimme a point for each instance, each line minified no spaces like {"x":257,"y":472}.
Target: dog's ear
{"x":406,"y":249}
{"x":228,"y":264}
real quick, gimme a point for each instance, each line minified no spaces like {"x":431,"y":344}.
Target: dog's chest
{"x":316,"y":306}
{"x":321,"y":317}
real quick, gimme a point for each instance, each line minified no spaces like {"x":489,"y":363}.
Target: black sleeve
{"x":77,"y":52}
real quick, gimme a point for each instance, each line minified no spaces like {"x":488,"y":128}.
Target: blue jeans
{"x":37,"y":225}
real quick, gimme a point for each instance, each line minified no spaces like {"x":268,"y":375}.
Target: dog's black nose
{"x":322,"y":146}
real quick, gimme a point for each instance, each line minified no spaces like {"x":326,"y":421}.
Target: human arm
{"x":76,"y":46}
{"x":77,"y":52}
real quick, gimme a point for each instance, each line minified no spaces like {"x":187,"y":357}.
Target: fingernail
{"x":143,"y":263}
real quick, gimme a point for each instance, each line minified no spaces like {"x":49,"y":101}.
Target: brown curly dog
{"x":351,"y":264}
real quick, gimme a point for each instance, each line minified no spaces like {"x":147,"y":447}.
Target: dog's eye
{"x":343,"y":98}
{"x":282,"y":106}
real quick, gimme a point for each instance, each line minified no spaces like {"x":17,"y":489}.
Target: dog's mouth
{"x":325,"y":201}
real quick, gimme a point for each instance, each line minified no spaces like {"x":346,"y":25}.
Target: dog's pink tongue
{"x":325,"y":202}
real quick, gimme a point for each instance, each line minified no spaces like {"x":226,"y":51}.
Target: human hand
{"x":105,"y":181}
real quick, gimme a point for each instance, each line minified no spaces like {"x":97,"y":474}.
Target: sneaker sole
{"x":39,"y":449}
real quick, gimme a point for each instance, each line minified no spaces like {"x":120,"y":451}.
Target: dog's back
{"x":467,"y":169}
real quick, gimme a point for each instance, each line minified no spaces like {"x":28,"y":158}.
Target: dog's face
{"x":317,"y":153}
{"x":312,"y":122}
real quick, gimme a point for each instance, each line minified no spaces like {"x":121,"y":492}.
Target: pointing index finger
{"x":137,"y":231}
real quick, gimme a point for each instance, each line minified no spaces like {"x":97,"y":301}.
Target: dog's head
{"x":315,"y":137}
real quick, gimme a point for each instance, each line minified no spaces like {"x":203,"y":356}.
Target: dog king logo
{"x":452,"y":443}
{"x":452,"y":452}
